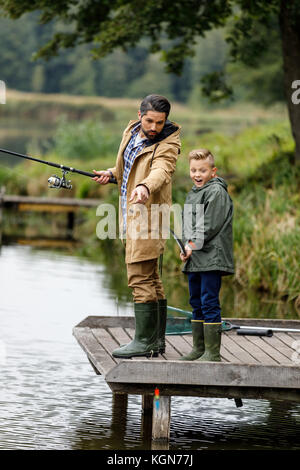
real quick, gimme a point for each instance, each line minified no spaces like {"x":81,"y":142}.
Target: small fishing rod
{"x":179,"y":242}
{"x":55,"y":181}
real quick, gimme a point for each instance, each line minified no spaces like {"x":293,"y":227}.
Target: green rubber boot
{"x":145,"y":337}
{"x":198,"y":342}
{"x":212,"y":341}
{"x":162,"y":322}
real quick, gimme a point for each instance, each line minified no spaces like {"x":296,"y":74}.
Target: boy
{"x":209,"y":253}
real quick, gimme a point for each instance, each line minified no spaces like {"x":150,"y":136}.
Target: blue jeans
{"x":204,"y":290}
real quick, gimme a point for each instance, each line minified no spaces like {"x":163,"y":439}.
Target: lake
{"x":50,"y":396}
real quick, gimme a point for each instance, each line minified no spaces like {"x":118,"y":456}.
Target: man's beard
{"x":149,"y":135}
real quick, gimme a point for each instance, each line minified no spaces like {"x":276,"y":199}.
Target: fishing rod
{"x":55,"y":181}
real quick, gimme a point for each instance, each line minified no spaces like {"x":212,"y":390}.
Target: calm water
{"x":50,"y":397}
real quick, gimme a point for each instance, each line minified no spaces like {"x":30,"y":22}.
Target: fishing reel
{"x":57,"y":183}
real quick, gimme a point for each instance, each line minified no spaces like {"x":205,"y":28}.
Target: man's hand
{"x":188,"y":253}
{"x":140,"y":194}
{"x":101,"y":177}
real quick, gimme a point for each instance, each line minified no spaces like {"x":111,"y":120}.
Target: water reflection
{"x":50,"y":397}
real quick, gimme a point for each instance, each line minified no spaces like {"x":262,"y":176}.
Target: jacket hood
{"x":216,"y":180}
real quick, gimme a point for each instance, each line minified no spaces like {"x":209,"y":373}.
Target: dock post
{"x":146,"y":424}
{"x":119,"y":416}
{"x":147,"y":404}
{"x":120,"y":402}
{"x":70,"y":223}
{"x":161,"y":419}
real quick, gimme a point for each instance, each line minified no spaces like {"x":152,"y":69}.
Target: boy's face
{"x":201,"y":172}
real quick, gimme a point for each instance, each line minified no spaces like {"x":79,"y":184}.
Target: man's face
{"x":201,"y":172}
{"x":152,"y":123}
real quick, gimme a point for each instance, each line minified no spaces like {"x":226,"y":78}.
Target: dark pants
{"x":204,"y":290}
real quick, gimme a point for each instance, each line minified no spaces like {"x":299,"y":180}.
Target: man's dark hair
{"x":155,"y":103}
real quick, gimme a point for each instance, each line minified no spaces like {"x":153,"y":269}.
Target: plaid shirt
{"x":130,"y":153}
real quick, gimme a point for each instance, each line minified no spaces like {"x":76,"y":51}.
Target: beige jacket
{"x":153,"y":167}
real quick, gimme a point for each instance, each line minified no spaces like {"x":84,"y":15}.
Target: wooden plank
{"x":105,"y":340}
{"x":269,"y":347}
{"x":286,"y":339}
{"x":98,"y":356}
{"x":179,"y":344}
{"x":254,"y":345}
{"x":227,"y":356}
{"x":205,"y":373}
{"x":119,"y":334}
{"x":229,"y":341}
{"x":106,"y":321}
{"x":46,"y":242}
{"x":295,"y":336}
{"x":28,"y":207}
{"x":161,"y":418}
{"x":46,"y":201}
{"x":259,"y":393}
{"x":280,"y":346}
{"x":171,"y":354}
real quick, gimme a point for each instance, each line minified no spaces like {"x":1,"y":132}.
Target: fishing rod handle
{"x":252,"y":332}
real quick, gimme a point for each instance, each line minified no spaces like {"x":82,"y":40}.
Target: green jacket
{"x":216,"y":253}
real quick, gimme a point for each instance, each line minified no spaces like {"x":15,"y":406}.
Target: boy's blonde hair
{"x":202,"y":154}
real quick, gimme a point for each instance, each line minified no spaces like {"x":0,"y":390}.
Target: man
{"x":145,"y":163}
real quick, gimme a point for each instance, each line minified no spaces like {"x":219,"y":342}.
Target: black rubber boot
{"x":198,"y":342}
{"x":145,"y":337}
{"x":162,"y":322}
{"x":212,"y":341}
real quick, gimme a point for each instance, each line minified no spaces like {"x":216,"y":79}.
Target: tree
{"x":111,"y":24}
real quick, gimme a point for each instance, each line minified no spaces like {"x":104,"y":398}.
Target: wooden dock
{"x":45,"y":204}
{"x":56,"y":205}
{"x":251,"y":367}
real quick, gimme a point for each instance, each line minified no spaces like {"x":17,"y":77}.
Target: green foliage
{"x":83,"y":140}
{"x":190,"y":45}
{"x":214,"y":87}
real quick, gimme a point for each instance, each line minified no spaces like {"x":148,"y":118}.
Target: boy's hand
{"x":188,"y":253}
